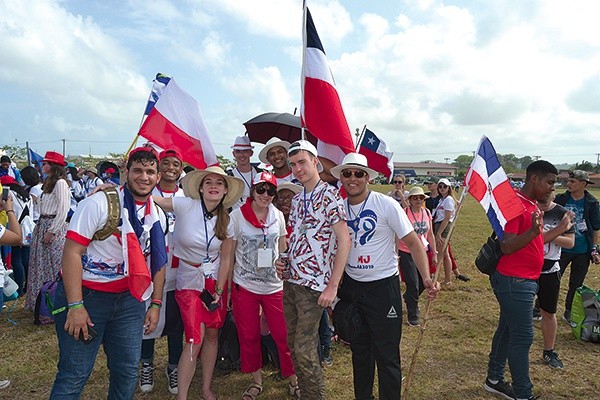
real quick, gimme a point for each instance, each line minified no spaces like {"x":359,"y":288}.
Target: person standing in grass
{"x":319,"y":246}
{"x":515,"y":284}
{"x":372,"y":280}
{"x":587,"y":225}
{"x":558,"y":233}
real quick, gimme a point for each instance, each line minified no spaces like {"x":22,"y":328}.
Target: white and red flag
{"x":379,"y":157}
{"x":487,"y":182}
{"x":321,"y":110}
{"x":175,"y":122}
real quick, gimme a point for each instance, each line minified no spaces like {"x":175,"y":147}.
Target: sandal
{"x":248,"y":392}
{"x":294,"y":390}
{"x":463,"y":278}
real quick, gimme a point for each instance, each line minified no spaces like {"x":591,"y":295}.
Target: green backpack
{"x":585,"y":315}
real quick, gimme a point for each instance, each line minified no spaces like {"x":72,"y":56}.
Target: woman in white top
{"x":443,"y":215}
{"x":32,"y":180}
{"x":201,"y":243}
{"x":258,"y":238}
{"x":19,"y":254}
{"x":49,"y":233}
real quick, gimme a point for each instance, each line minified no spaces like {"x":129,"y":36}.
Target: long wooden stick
{"x":359,"y":139}
{"x":429,"y":302}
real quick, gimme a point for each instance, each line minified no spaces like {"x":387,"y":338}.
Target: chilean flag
{"x":378,"y":155}
{"x":321,"y":110}
{"x":175,"y":122}
{"x":487,"y":182}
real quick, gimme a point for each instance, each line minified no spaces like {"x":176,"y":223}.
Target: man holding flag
{"x":515,"y":281}
{"x":105,"y":283}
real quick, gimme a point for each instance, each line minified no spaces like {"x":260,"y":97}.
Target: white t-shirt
{"x":374,"y":225}
{"x":19,"y":205}
{"x":247,"y":272}
{"x":247,"y":178}
{"x":194,"y":239}
{"x":446,"y":204}
{"x":36,"y":191}
{"x":313,"y":244}
{"x":103,"y":265}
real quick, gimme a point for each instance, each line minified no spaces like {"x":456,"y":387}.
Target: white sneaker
{"x":147,"y":378}
{"x":172,"y":380}
{"x":4,"y":384}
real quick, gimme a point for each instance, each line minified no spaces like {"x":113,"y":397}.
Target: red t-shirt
{"x":526,"y":262}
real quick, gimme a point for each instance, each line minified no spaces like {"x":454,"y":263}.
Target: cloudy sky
{"x":429,"y":77}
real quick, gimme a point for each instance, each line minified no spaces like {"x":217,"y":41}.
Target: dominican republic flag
{"x":488,"y":183}
{"x":175,"y":122}
{"x":158,"y":86}
{"x":321,"y":110}
{"x":378,"y":154}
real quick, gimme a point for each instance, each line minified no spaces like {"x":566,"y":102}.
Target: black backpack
{"x":228,"y":357}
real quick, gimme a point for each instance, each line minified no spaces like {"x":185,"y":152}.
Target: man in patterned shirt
{"x":318,"y":251}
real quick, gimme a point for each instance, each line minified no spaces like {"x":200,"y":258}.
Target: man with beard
{"x":515,"y":284}
{"x":102,"y":291}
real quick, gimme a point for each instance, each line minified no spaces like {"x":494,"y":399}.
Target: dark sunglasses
{"x":271,"y":191}
{"x":417,"y":197}
{"x":347,"y":173}
{"x":441,"y":185}
{"x":398,"y":182}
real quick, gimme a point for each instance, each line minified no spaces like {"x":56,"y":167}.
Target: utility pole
{"x":446,"y":159}
{"x":64,"y":146}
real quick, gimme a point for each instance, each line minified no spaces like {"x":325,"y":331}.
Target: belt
{"x":48,"y":216}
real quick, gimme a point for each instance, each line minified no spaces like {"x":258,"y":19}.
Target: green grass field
{"x":452,"y":358}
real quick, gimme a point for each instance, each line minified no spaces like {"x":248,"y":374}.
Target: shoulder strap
{"x":114,"y":215}
{"x":24,"y":213}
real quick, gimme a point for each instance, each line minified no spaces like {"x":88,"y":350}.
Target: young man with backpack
{"x":105,"y":283}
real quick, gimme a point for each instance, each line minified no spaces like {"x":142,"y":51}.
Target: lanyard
{"x":356,"y":221}
{"x":310,"y":200}
{"x":208,"y":242}
{"x":242,"y":175}
{"x":415,"y":218}
{"x":161,"y":192}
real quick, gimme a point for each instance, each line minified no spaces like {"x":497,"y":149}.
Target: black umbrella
{"x":285,"y":126}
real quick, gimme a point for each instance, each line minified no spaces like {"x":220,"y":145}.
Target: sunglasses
{"x":347,"y":173}
{"x":441,"y":185}
{"x":398,"y":182}
{"x":271,"y":191}
{"x":417,"y":197}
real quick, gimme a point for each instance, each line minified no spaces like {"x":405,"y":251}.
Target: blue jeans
{"x":514,"y":335}
{"x":118,"y":320}
{"x":20,"y":266}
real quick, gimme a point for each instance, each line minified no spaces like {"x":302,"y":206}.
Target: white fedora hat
{"x":356,"y":161}
{"x":242,"y":143}
{"x":273,"y":142}
{"x":191,"y":185}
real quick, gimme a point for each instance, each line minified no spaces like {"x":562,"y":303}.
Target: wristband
{"x":154,"y":305}
{"x":156,"y":301}
{"x":218,"y":291}
{"x":12,"y":211}
{"x":76,"y":304}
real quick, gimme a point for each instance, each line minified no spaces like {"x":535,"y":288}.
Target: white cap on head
{"x":273,"y":142}
{"x":306,"y":146}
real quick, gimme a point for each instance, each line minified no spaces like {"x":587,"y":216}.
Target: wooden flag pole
{"x":358,"y":140}
{"x":429,"y":302}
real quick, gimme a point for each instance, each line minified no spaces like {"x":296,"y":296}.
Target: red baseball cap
{"x":170,"y":153}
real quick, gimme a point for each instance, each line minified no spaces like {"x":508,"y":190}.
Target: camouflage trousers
{"x":302,"y":315}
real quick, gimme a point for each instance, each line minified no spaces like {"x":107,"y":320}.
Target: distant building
{"x":423,"y":170}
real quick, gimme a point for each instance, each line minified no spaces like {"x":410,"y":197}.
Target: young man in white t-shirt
{"x":170,"y":166}
{"x":242,"y":151}
{"x":372,"y":279}
{"x":102,"y":291}
{"x":318,"y":251}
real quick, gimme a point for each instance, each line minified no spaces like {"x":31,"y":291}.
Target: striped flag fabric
{"x":379,"y":157}
{"x":321,"y":109}
{"x":136,"y":268}
{"x":175,"y":122}
{"x":158,"y":86}
{"x":487,"y":182}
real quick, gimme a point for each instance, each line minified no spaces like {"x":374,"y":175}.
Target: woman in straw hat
{"x":49,"y":233}
{"x":420,"y":218}
{"x":202,"y":242}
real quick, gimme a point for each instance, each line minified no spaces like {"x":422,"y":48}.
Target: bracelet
{"x":156,"y":301}
{"x":154,"y":305}
{"x":76,"y":304}
{"x":12,"y":211}
{"x":218,"y":291}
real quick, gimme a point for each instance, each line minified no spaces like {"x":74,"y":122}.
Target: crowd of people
{"x":160,"y":252}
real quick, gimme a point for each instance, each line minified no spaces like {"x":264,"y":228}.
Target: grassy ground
{"x":452,"y":358}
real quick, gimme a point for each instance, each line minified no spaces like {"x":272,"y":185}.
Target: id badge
{"x":265,"y":258}
{"x":208,"y":268}
{"x":581,"y":227}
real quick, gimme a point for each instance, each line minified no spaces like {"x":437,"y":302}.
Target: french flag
{"x":175,"y":122}
{"x":487,"y":182}
{"x":378,"y":154}
{"x":321,"y":110}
